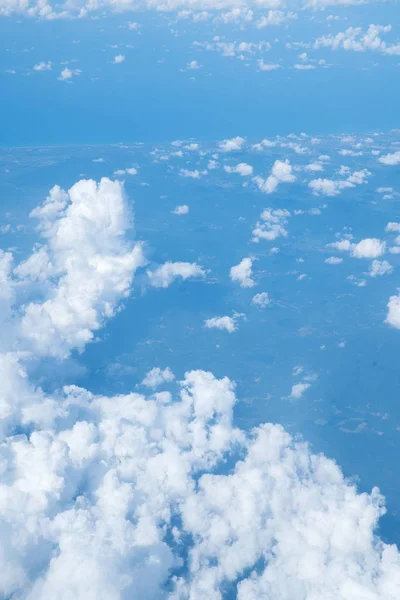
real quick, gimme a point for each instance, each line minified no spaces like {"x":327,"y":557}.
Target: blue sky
{"x":199,"y":301}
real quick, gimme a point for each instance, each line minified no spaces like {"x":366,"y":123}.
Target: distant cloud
{"x":43,"y":66}
{"x":242,"y":273}
{"x":183,"y":209}
{"x":281,"y":172}
{"x":157,"y":377}
{"x":390,"y":159}
{"x":227,"y":323}
{"x":120,"y":58}
{"x":164,"y":275}
{"x":231,"y":145}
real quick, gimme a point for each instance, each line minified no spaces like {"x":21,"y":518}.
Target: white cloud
{"x":164,"y":275}
{"x":231,"y":145}
{"x":393,"y":316}
{"x":379,"y":267}
{"x":263,"y":66}
{"x":304,"y":67}
{"x":354,"y":39}
{"x":128,"y":171}
{"x":133,"y":26}
{"x":333,"y":260}
{"x":131,"y":496}
{"x":272,"y":225}
{"x":242,"y":273}
{"x":193,"y":65}
{"x":261,"y":300}
{"x":281,"y":172}
{"x":390,"y":159}
{"x":274,"y":17}
{"x":182,"y":209}
{"x":191,"y":174}
{"x":67,"y":74}
{"x":329,"y":187}
{"x":227,"y":323}
{"x":43,"y":66}
{"x":242,"y":169}
{"x":157,"y":377}
{"x":393,"y":226}
{"x":118,"y":59}
{"x":298,"y":390}
{"x":368,"y":248}
{"x":87,"y":261}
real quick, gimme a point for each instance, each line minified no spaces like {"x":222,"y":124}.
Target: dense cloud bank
{"x":131,"y":496}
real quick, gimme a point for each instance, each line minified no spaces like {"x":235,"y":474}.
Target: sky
{"x":199,"y":301}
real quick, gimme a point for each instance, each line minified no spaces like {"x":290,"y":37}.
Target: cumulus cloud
{"x":330,"y":187}
{"x":182,"y":209}
{"x":115,"y":497}
{"x":272,"y":224}
{"x":164,"y":275}
{"x":234,"y":144}
{"x":281,"y":172}
{"x":87,"y":262}
{"x":262,"y":300}
{"x":156,"y":377}
{"x":227,"y":323}
{"x":43,"y":66}
{"x":380,"y":267}
{"x":298,"y":390}
{"x":367,"y":248}
{"x":128,"y":171}
{"x":390,"y":159}
{"x":242,"y":273}
{"x":67,"y":74}
{"x":120,"y":58}
{"x":242,"y":169}
{"x":333,"y":260}
{"x":263,"y":66}
{"x":356,"y":40}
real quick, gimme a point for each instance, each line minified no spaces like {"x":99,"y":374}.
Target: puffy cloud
{"x":390,"y":159}
{"x":231,"y":145}
{"x":228,"y":323}
{"x":393,"y":316}
{"x":87,"y":263}
{"x":157,"y":377}
{"x":242,"y":273}
{"x":298,"y":390}
{"x":67,"y":74}
{"x":120,"y":58}
{"x":393,"y":226}
{"x":333,"y":260}
{"x":368,"y":248}
{"x":274,"y":17}
{"x":43,"y":66}
{"x":263,"y":66}
{"x":329,"y":187}
{"x":193,"y":65}
{"x":195,"y":174}
{"x":182,"y":209}
{"x":110,"y":498}
{"x":380,"y":267}
{"x":128,"y":171}
{"x":272,"y":225}
{"x":262,"y":300}
{"x":281,"y":172}
{"x":164,"y":275}
{"x":354,"y":39}
{"x":242,"y":169}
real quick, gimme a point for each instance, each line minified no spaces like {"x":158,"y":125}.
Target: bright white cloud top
{"x":106,"y":496}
